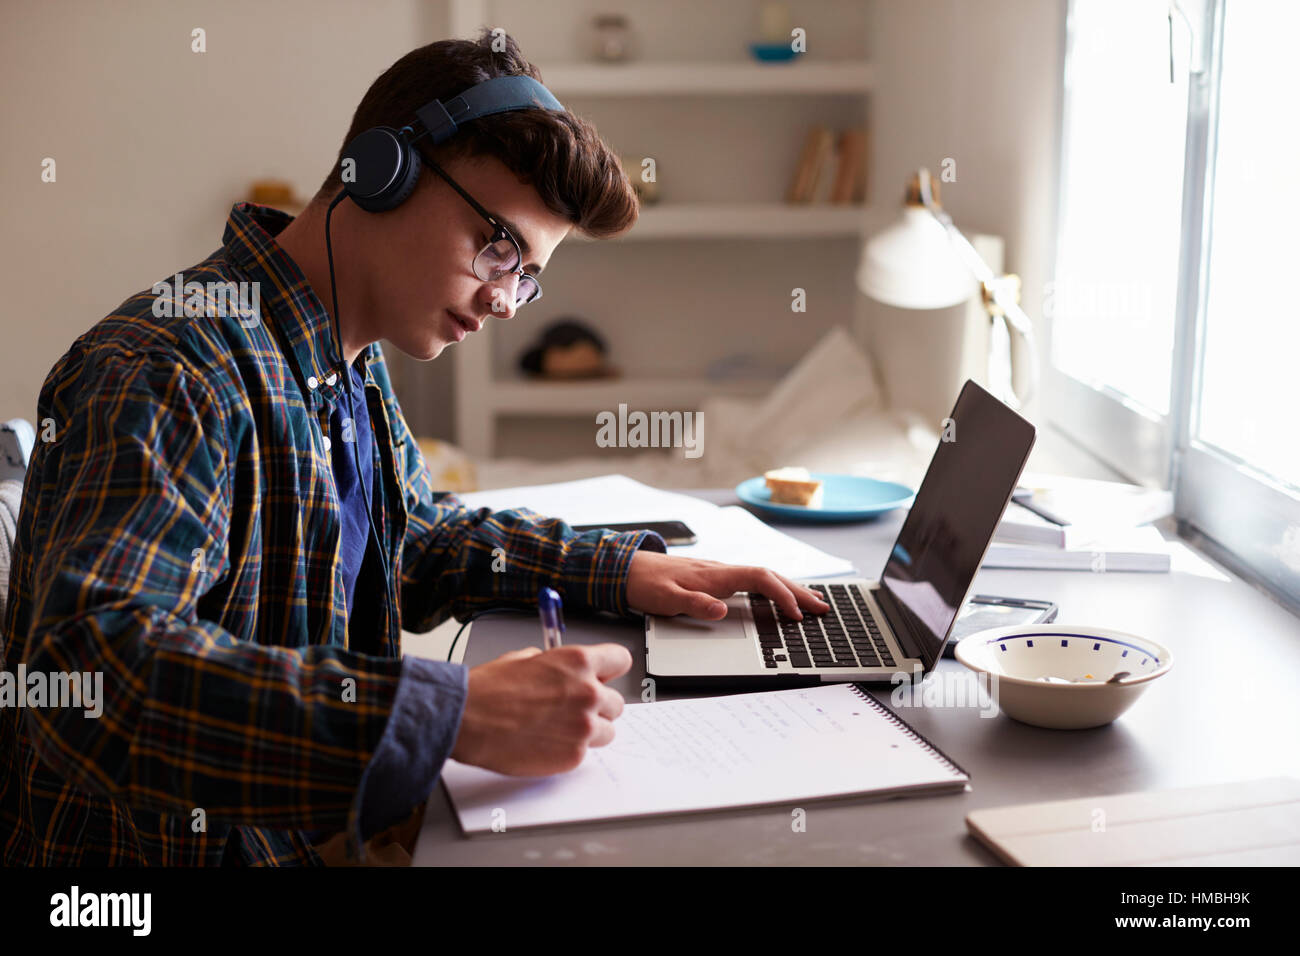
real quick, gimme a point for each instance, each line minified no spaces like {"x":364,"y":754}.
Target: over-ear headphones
{"x":380,"y":167}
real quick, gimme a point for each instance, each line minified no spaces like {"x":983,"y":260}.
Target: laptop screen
{"x":975,"y":468}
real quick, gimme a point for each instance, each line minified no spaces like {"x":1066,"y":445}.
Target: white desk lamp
{"x":922,"y":261}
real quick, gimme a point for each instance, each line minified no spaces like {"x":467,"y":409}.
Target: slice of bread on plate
{"x":793,"y":486}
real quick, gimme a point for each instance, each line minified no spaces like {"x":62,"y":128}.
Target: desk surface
{"x":1193,"y":726}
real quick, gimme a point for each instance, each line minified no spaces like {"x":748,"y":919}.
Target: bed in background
{"x":827,"y":414}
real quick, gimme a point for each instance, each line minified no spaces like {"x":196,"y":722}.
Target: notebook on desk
{"x":711,"y":753}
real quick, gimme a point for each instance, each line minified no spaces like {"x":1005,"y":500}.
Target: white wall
{"x":153,"y":143}
{"x":978,"y":82}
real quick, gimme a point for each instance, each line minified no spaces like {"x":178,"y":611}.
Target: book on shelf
{"x":818,"y":152}
{"x":830,"y":170}
{"x":825,"y":179}
{"x":1090,"y":508}
{"x":851,"y":169}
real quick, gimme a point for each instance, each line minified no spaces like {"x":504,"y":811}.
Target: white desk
{"x":1193,"y":726}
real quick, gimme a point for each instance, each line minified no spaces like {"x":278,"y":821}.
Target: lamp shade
{"x":911,"y":264}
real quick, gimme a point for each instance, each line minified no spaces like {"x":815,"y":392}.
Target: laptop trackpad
{"x":683,"y":626}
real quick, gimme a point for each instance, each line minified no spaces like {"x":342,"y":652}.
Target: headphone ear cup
{"x":410,"y":178}
{"x":380,"y":169}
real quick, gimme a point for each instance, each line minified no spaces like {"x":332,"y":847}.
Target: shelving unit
{"x":692,"y":103}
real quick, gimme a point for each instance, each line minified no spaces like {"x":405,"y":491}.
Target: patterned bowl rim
{"x":1002,"y":635}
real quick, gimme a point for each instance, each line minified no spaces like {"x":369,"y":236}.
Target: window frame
{"x":1250,"y":517}
{"x":1244,"y":517}
{"x":1132,"y":440}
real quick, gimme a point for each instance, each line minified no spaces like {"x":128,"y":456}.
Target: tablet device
{"x":985,"y":611}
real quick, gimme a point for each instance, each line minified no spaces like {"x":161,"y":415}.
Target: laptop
{"x":875,"y":629}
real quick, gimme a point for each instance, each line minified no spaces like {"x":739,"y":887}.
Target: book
{"x":826,"y":172}
{"x":1245,"y":823}
{"x":850,"y":171}
{"x":1132,"y":549}
{"x":1090,"y":507}
{"x":742,"y":750}
{"x":818,"y":146}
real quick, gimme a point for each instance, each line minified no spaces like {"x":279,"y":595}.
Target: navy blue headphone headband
{"x":500,"y":94}
{"x":380,"y":167}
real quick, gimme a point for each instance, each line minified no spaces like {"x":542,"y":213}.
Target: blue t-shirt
{"x":425,"y":720}
{"x":351,"y":442}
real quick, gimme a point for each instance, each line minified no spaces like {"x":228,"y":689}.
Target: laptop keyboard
{"x":845,"y":636}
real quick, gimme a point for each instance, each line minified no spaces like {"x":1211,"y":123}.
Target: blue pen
{"x":550,"y":610}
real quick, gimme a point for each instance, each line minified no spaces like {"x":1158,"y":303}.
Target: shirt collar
{"x":287,"y":298}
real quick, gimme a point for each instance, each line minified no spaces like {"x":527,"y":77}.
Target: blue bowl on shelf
{"x":844,"y":498}
{"x":773,"y":52}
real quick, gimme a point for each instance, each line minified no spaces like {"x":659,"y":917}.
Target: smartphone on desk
{"x":673,"y":532}
{"x":985,"y":611}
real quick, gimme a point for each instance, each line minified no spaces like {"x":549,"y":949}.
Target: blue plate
{"x":844,"y":498}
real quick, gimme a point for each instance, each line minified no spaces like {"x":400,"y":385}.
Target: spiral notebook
{"x":711,"y":753}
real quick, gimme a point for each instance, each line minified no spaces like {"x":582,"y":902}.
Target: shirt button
{"x":312,"y":382}
{"x":333,"y":377}
{"x":326,"y":440}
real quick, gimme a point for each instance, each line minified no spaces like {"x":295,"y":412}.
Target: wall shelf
{"x":746,"y":221}
{"x":707,"y":78}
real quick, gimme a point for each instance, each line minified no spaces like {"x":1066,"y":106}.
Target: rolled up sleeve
{"x":418,"y":739}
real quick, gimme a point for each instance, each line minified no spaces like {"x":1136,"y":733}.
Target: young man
{"x":232,"y":526}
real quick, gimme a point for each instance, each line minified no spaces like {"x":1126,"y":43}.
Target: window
{"x":1173,"y":337}
{"x":1249,"y":388}
{"x":1116,"y":288}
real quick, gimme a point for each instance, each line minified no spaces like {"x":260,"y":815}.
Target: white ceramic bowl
{"x":1079,"y":659}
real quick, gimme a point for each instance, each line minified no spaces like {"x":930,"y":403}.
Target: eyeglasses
{"x":501,"y":256}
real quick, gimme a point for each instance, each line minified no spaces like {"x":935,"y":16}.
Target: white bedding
{"x":827,"y":414}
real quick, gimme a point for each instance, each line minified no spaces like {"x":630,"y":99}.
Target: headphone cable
{"x":334,"y":294}
{"x":347,"y":373}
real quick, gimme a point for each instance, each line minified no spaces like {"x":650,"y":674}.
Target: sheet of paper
{"x":736,"y":536}
{"x":731,"y":535}
{"x":707,"y":753}
{"x":608,"y":498}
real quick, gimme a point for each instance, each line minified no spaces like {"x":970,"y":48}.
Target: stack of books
{"x":1079,"y":524}
{"x":830,"y":170}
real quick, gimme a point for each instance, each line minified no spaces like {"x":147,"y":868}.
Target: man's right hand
{"x":534,"y":713}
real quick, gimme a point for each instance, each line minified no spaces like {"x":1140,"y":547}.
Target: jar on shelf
{"x":611,"y":37}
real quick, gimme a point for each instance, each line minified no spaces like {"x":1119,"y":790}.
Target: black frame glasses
{"x":497,"y":259}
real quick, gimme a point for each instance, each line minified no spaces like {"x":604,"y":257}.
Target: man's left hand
{"x":666,"y":585}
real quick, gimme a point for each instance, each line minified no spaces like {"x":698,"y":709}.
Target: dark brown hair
{"x":559,"y":154}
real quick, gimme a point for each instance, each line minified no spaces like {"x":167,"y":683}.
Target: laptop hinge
{"x":902,"y":628}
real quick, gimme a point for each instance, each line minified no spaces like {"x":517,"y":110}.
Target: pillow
{"x":11,"y":496}
{"x":17,"y":437}
{"x":450,"y":469}
{"x":888,"y":446}
{"x":728,"y":450}
{"x":833,"y":379}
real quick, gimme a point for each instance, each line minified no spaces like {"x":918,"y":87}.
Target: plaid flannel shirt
{"x":179,"y":535}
